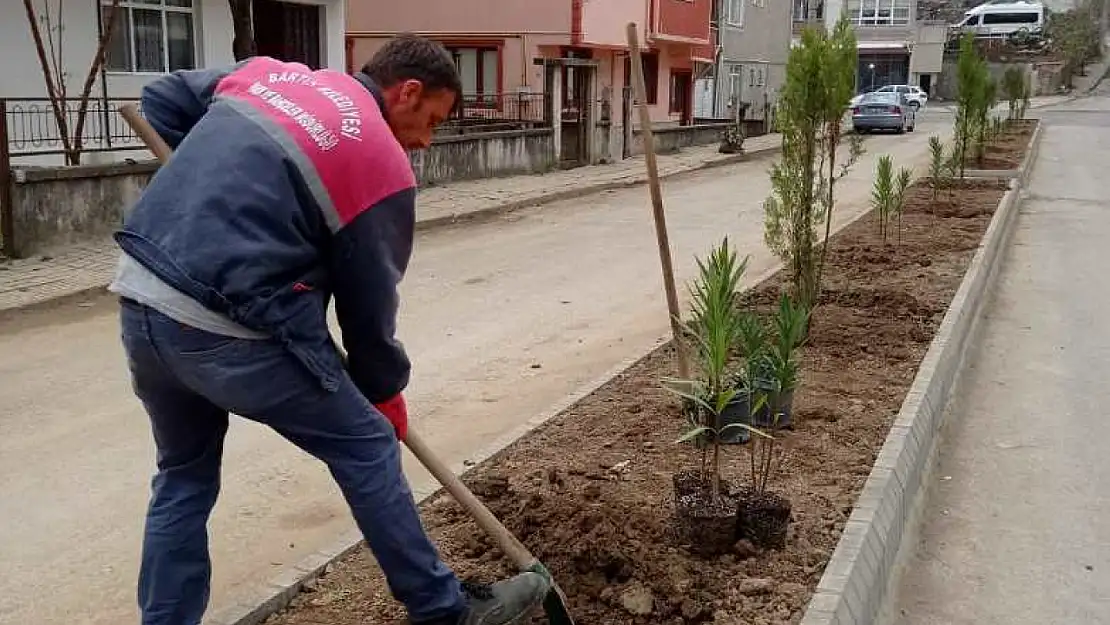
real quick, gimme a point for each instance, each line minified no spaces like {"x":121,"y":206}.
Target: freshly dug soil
{"x":1008,"y":149}
{"x":592,"y":492}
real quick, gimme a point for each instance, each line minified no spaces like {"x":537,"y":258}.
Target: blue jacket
{"x":286,"y":186}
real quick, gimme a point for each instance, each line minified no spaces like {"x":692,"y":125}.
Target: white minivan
{"x":1000,"y":19}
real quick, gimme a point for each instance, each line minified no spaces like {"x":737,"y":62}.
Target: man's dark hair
{"x":409,"y":57}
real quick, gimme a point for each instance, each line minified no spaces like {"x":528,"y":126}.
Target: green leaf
{"x":692,"y":434}
{"x":753,"y":430}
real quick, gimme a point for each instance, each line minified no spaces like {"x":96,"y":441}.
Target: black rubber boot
{"x":506,"y":602}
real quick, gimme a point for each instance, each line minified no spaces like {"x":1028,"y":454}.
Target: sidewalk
{"x":87,"y":268}
{"x":1018,"y":513}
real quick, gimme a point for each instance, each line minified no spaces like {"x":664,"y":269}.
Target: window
{"x":151,"y":35}
{"x":879,"y":12}
{"x":1010,"y":18}
{"x":734,"y":12}
{"x":478,"y":68}
{"x":650,"y":61}
{"x":808,"y":10}
{"x":735,"y":84}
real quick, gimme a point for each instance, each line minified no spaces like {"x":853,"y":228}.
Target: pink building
{"x":496,"y":42}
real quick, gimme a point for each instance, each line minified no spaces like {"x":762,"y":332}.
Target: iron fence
{"x":32,"y":127}
{"x":518,"y":108}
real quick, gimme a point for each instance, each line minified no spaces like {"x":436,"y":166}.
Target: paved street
{"x":499,"y":322}
{"x":1018,"y":517}
{"x":90,"y":266}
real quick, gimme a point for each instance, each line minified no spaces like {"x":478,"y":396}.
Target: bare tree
{"x":53,"y":72}
{"x":242,"y":46}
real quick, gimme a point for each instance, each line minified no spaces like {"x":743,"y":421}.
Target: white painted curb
{"x":861,"y":578}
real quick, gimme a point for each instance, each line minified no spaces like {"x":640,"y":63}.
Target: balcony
{"x":681,"y":21}
{"x":707,"y":53}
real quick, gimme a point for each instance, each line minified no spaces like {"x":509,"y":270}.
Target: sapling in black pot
{"x":790,"y":322}
{"x":763,"y":516}
{"x":705,"y":509}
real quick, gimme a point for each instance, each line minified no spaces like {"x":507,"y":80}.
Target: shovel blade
{"x":555,"y":606}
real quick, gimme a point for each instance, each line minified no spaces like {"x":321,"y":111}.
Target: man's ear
{"x":412,"y":90}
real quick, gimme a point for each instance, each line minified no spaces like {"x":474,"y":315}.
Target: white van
{"x":999,"y":19}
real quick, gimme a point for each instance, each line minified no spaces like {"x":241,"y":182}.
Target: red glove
{"x":398,"y":414}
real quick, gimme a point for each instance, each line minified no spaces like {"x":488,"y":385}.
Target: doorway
{"x":578,"y":78}
{"x":288,"y":32}
{"x":925,"y":81}
{"x":682,"y":95}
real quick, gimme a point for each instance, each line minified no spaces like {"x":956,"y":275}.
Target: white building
{"x":895,"y":47}
{"x":150,"y":38}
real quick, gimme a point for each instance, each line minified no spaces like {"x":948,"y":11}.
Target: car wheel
{"x":901,"y":130}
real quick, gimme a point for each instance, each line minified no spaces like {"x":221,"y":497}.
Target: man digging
{"x":286,"y":186}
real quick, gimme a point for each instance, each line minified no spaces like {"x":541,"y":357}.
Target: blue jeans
{"x":189,"y":381}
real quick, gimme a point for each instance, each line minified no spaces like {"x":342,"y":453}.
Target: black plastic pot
{"x":781,"y":404}
{"x":706,"y":525}
{"x":737,"y":412}
{"x":763,"y":519}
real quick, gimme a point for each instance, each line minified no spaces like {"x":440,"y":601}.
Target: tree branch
{"x":90,"y":78}
{"x":51,"y":87}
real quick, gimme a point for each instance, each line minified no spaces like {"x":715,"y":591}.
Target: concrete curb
{"x":861,"y":578}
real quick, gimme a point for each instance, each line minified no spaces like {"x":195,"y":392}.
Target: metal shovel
{"x":554,"y":604}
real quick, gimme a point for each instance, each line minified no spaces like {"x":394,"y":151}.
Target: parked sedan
{"x":916,"y":96}
{"x":883,"y":111}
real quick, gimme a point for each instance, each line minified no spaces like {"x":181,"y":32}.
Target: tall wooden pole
{"x":640,"y":91}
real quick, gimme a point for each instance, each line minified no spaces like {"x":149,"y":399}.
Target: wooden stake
{"x":639,"y":89}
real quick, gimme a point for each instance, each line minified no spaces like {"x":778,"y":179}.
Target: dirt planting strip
{"x":1007,"y":156}
{"x":860,"y":580}
{"x":590,"y":491}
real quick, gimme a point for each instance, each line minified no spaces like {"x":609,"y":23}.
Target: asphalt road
{"x":1018,"y":517}
{"x":573,"y":288}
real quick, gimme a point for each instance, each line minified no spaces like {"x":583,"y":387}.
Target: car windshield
{"x":880,"y":98}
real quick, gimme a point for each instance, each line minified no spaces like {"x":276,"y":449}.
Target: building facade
{"x":750,"y":69}
{"x":151,"y":37}
{"x":896,"y":46}
{"x":496,"y":44}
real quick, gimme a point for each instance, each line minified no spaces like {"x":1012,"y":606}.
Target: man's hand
{"x":398,"y":414}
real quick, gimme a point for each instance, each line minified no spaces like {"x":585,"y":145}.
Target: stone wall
{"x":674,"y":138}
{"x":486,"y":155}
{"x":53,"y":206}
{"x":1045,"y":77}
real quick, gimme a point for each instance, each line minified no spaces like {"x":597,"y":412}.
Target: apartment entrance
{"x":578,"y":79}
{"x":289,"y":32}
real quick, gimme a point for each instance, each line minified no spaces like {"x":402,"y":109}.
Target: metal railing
{"x":32,"y":129}
{"x":528,"y":108}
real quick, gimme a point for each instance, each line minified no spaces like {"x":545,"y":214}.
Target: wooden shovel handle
{"x":146,"y":132}
{"x":512,"y":547}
